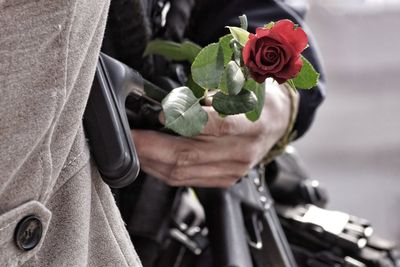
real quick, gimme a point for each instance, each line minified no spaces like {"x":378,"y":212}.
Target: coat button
{"x":28,"y":232}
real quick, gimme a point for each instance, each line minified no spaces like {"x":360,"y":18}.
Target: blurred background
{"x":353,"y":148}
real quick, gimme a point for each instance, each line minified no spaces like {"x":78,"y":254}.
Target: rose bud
{"x":275,"y":52}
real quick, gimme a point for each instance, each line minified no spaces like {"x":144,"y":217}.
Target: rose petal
{"x":262,"y":32}
{"x":270,"y":54}
{"x":272,"y":68}
{"x":247,"y":49}
{"x":295,"y":36}
{"x":291,"y":70}
{"x":280,"y":80}
{"x":252,"y":66}
{"x":284,"y":54}
{"x":258,"y":77}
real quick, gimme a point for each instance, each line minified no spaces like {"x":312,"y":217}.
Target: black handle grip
{"x":106,"y":122}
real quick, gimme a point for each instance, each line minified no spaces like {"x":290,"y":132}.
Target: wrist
{"x":289,"y":109}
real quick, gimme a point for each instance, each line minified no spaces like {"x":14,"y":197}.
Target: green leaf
{"x":208,"y":66}
{"x":269,"y":25}
{"x":197,"y":90}
{"x":243,"y":102}
{"x":308,"y":77}
{"x":240,"y":35}
{"x":232,"y":80}
{"x":237,"y":52}
{"x":243,"y":22}
{"x":191,"y":50}
{"x":259,"y":90}
{"x":173,"y":51}
{"x":224,"y":42}
{"x":183,"y":112}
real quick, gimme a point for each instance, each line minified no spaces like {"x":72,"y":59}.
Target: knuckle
{"x":225,"y":127}
{"x":186,"y":157}
{"x":177,"y":174}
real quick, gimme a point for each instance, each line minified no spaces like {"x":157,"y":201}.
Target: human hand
{"x":225,"y":150}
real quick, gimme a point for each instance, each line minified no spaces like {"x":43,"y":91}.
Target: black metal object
{"x":291,"y":185}
{"x":330,"y":227}
{"x":244,"y":228}
{"x":106,"y":122}
{"x":321,"y":237}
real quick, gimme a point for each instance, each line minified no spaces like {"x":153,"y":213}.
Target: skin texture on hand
{"x":225,"y":150}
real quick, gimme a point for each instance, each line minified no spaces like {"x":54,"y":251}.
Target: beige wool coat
{"x":54,"y":208}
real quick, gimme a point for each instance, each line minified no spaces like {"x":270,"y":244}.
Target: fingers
{"x":207,"y":171}
{"x":165,"y":148}
{"x":154,"y":145}
{"x":179,"y":151}
{"x":221,"y":182}
{"x":221,"y":174}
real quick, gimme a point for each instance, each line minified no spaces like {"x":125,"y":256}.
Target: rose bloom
{"x":275,"y":52}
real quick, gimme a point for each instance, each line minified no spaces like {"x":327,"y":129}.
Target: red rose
{"x":275,"y":52}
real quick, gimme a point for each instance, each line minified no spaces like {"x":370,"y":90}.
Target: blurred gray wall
{"x":354,"y":145}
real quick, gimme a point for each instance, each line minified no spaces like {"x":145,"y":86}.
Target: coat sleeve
{"x":208,"y":24}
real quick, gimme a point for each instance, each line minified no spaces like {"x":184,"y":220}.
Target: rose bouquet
{"x":233,"y":72}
